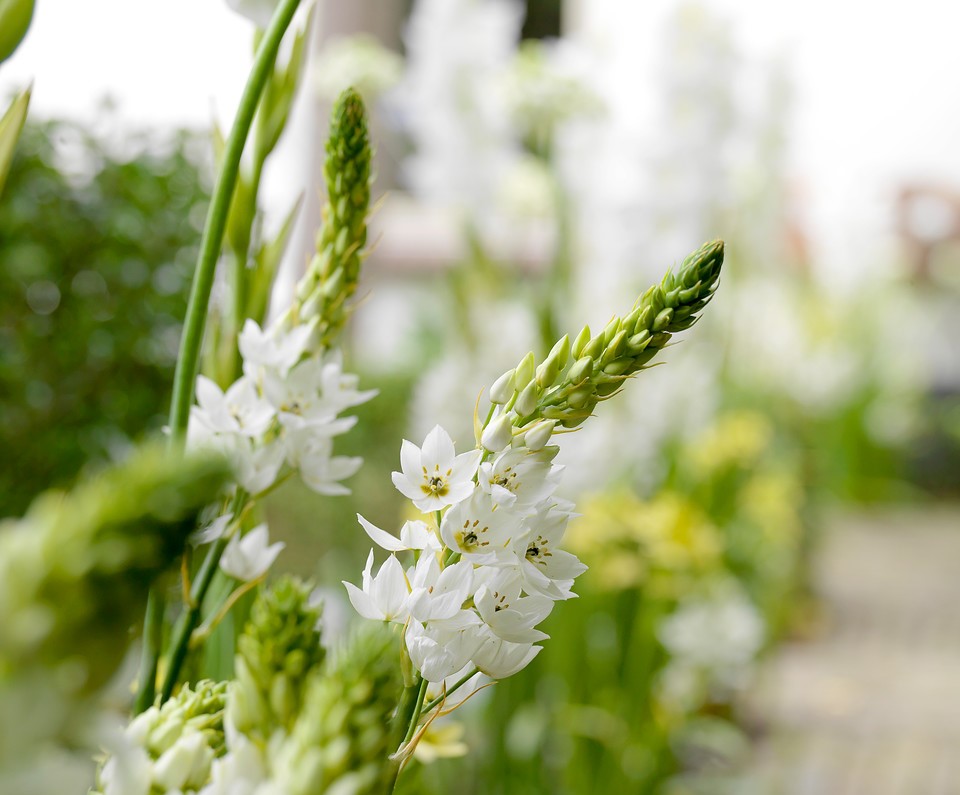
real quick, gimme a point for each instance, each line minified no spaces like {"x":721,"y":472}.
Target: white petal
{"x":410,"y":461}
{"x":438,"y":450}
{"x":406,"y":488}
{"x":209,"y":395}
{"x":380,"y":537}
{"x":389,"y":589}
{"x":362,"y":603}
{"x":465,"y":465}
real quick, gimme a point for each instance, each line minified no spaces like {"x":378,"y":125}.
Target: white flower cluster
{"x":281,"y":415}
{"x":487,"y":567}
{"x":713,"y":639}
{"x":187,"y":765}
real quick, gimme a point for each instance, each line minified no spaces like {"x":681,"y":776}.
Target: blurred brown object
{"x":928,"y":216}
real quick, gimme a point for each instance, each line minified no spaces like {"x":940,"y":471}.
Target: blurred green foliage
{"x":97,"y":245}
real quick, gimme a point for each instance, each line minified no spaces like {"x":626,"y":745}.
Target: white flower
{"x":313,"y":393}
{"x":274,"y":350}
{"x":498,"y":658}
{"x":240,"y":410}
{"x":510,"y":616}
{"x":257,"y":465}
{"x":257,"y":11}
{"x":248,"y":557}
{"x":212,"y":531}
{"x":319,"y":469}
{"x":544,"y":568}
{"x":185,"y":764}
{"x":129,"y":770}
{"x":434,"y":476}
{"x":413,"y":535}
{"x":240,"y":771}
{"x":519,"y":477}
{"x":384,"y":596}
{"x":444,"y":647}
{"x":479,"y":530}
{"x":437,"y":595}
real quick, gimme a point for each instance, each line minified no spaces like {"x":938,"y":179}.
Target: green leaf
{"x":10,"y":126}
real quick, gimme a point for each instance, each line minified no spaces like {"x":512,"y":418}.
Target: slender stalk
{"x":456,"y":686}
{"x":152,"y":641}
{"x":417,"y":709}
{"x":193,"y":325}
{"x":212,"y":239}
{"x":408,"y":714}
{"x":188,"y":620}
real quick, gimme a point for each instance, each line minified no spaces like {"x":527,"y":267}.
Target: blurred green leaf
{"x":10,"y":126}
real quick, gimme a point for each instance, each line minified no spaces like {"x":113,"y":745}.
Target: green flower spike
{"x":342,"y":737}
{"x":566,"y":386}
{"x":331,"y":278}
{"x":279,"y":647}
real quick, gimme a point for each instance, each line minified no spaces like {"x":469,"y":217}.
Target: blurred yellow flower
{"x":626,"y":540}
{"x":737,"y":439}
{"x":441,"y":742}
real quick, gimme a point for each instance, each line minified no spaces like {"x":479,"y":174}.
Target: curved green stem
{"x":212,"y":240}
{"x":211,"y":244}
{"x":408,"y":714}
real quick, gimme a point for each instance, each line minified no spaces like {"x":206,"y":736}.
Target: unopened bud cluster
{"x":331,"y":278}
{"x":567,"y":385}
{"x":277,"y":650}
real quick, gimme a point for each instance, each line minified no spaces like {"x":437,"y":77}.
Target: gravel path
{"x":871,"y":705}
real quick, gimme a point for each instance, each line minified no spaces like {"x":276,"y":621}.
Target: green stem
{"x":212,"y":240}
{"x":456,"y":686}
{"x":187,"y":623}
{"x":408,"y":714}
{"x":152,"y":641}
{"x":418,"y":708}
{"x":210,"y":246}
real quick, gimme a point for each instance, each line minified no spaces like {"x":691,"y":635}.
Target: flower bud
{"x":581,"y":370}
{"x":185,"y":764}
{"x":497,"y":434}
{"x":502,"y":389}
{"x":527,"y":402}
{"x":547,"y":373}
{"x":581,"y":341}
{"x":523,"y":375}
{"x":539,"y":435}
{"x":561,"y":351}
{"x":594,"y":348}
{"x":614,"y":349}
{"x":15,"y":18}
{"x":662,"y":320}
{"x":611,"y":330}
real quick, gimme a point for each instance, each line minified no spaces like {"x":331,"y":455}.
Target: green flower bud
{"x":580,"y":342}
{"x":547,"y":373}
{"x":539,"y":435}
{"x":502,"y":389}
{"x":527,"y":402}
{"x":15,"y":19}
{"x":582,"y":369}
{"x":524,"y":372}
